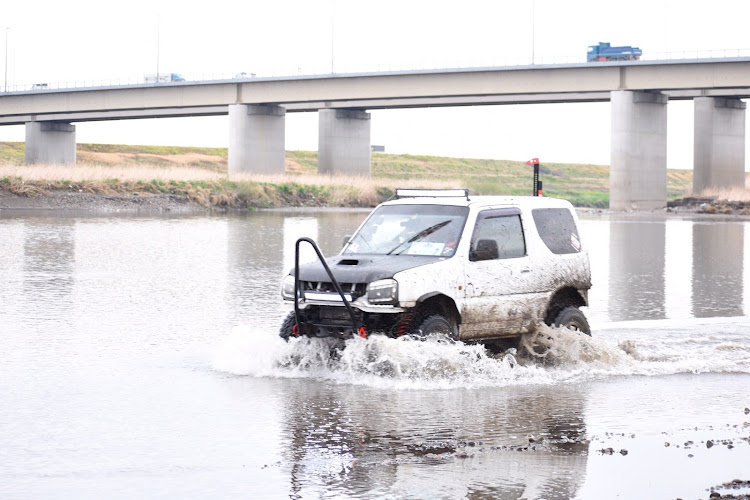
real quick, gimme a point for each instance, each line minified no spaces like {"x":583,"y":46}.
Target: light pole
{"x":5,"y":87}
{"x":158,"y":36}
{"x":533,"y":29}
{"x":333,"y":13}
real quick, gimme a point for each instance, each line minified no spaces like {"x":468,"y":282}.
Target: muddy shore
{"x":74,"y":200}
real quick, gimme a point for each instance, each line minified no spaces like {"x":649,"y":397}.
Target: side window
{"x":498,"y":234}
{"x":557,"y":228}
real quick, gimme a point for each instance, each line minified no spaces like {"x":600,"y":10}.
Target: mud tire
{"x":435,"y":324}
{"x":572,"y":318}
{"x":285,"y":332}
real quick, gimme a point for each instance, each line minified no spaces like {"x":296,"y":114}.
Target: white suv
{"x":440,"y":261}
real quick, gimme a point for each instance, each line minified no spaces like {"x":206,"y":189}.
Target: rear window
{"x":557,"y":229}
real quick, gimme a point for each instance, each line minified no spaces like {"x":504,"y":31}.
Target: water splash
{"x":548,"y":356}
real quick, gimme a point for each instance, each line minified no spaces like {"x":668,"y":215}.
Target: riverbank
{"x":179,"y":179}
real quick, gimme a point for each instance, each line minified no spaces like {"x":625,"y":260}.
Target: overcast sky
{"x":94,"y":41}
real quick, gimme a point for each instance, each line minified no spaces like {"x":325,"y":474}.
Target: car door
{"x":497,"y":274}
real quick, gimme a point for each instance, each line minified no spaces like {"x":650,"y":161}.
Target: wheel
{"x":436,"y":324}
{"x":286,"y":327}
{"x":572,"y":318}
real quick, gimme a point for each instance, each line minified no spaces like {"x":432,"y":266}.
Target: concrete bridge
{"x":638,"y":92}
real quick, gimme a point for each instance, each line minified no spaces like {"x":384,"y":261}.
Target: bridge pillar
{"x":256,"y":139}
{"x":638,"y":170}
{"x":344,"y":142}
{"x":50,"y":143}
{"x":719,"y":146}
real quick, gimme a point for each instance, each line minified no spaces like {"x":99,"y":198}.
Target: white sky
{"x":93,"y":41}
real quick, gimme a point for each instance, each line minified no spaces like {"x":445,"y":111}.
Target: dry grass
{"x":362,"y":183}
{"x":209,"y":187}
{"x":344,"y":190}
{"x":80,"y":173}
{"x":741,"y":194}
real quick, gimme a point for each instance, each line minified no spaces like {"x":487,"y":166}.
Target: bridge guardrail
{"x":312,"y":72}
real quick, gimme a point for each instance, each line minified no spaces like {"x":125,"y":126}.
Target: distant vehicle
{"x":605,"y":52}
{"x":163,"y":78}
{"x":245,"y":75}
{"x":39,"y":86}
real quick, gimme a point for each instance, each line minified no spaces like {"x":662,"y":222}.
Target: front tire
{"x":436,"y":324}
{"x":287,"y":327}
{"x":573,"y":319}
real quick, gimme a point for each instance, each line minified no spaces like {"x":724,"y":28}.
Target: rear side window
{"x":498,"y":235}
{"x":557,"y":229}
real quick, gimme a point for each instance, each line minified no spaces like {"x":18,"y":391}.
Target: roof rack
{"x":432,"y":193}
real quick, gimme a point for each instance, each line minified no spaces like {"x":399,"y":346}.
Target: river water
{"x":140,"y":359}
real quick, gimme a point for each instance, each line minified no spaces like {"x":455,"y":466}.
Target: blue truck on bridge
{"x":605,"y":52}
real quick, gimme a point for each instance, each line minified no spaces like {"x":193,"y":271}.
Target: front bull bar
{"x":299,"y":293}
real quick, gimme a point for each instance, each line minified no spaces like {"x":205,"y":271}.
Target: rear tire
{"x":436,"y":324}
{"x":573,"y":319}
{"x":287,"y":326}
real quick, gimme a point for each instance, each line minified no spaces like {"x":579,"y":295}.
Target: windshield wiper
{"x":421,"y":234}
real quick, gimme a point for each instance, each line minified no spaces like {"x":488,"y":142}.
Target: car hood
{"x":362,"y":268}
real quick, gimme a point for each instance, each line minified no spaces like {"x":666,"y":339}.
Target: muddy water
{"x":140,"y":359}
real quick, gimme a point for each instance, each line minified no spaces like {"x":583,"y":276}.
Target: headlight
{"x":383,"y":292}
{"x":287,"y":287}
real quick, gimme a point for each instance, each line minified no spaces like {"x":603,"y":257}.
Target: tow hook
{"x":362,"y":332}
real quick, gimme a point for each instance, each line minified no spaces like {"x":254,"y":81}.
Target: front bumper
{"x":327,"y":320}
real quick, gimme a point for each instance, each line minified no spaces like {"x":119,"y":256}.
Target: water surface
{"x":140,"y":358}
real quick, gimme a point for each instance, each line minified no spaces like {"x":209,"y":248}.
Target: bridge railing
{"x":424,"y":65}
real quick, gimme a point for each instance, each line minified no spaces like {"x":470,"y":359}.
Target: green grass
{"x":12,"y":153}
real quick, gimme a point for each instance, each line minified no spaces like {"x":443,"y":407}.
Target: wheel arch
{"x":562,"y":298}
{"x":438,"y":303}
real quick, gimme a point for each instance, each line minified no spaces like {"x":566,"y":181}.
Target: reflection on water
{"x":356,"y":441}
{"x":657,"y":268}
{"x":643,"y":267}
{"x":636,"y":270}
{"x":718,"y":252}
{"x":49,"y":257}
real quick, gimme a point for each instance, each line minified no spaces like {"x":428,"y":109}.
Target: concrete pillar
{"x":51,"y":143}
{"x":256,"y":139}
{"x":719,"y":146}
{"x":638,"y":170}
{"x":344,"y":142}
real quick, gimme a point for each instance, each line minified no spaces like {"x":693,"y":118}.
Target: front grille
{"x":355,"y":289}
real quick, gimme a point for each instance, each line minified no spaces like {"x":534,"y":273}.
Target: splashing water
{"x":550,"y":355}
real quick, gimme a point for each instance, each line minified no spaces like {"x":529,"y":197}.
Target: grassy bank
{"x":200,"y":174}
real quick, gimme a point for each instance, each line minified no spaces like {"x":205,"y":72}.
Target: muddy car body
{"x":475,"y":268}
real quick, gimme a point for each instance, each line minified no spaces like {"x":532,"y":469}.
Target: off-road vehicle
{"x":474,"y":268}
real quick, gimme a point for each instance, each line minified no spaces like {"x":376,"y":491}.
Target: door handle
{"x":525,"y":270}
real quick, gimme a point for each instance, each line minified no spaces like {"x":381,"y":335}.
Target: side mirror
{"x":347,"y":238}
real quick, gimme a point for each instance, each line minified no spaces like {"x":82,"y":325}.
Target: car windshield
{"x":410,"y":230}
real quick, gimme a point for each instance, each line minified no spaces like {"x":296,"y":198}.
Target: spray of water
{"x":550,"y":355}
